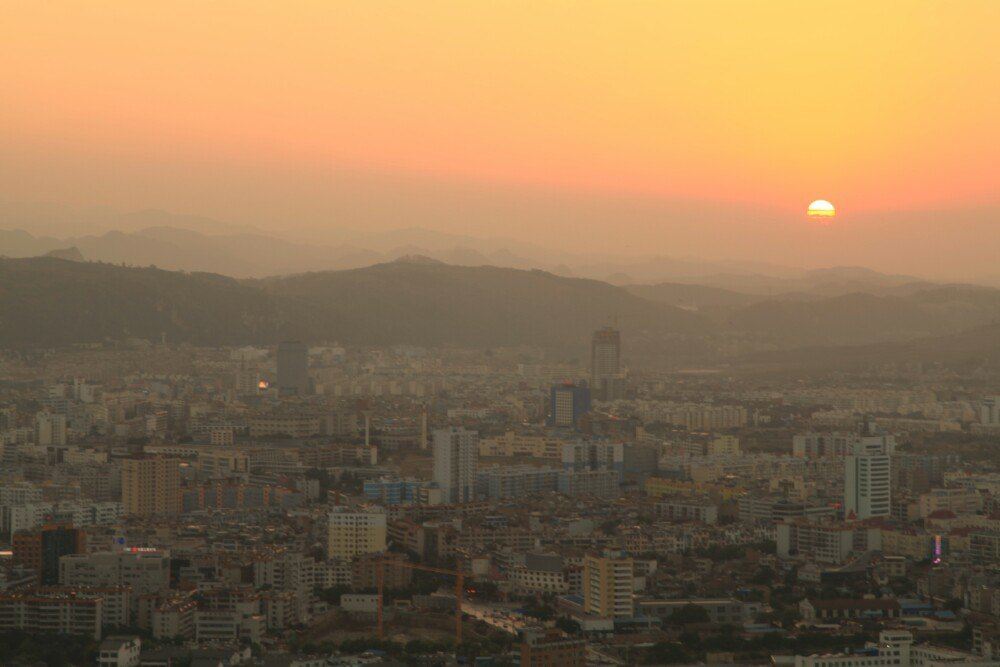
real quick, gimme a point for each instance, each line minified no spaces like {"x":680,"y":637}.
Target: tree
{"x":689,"y":613}
{"x":667,"y":653}
{"x":568,"y":625}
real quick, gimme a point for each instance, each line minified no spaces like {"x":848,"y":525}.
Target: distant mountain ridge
{"x":195,"y":243}
{"x":52,"y":302}
{"x":48,"y":301}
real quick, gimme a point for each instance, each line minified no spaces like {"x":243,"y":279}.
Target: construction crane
{"x":459,"y":590}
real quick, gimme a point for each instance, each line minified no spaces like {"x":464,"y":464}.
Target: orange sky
{"x":244,"y":109}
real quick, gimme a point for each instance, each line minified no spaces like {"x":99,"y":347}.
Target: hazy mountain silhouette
{"x":49,"y":302}
{"x":963,"y":351}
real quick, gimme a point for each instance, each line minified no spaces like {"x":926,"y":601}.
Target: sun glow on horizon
{"x":821,"y":208}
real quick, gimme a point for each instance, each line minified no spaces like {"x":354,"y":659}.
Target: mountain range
{"x":58,"y":300}
{"x":49,"y":301}
{"x":193,"y":243}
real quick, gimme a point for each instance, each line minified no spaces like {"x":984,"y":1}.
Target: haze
{"x":695,"y":128}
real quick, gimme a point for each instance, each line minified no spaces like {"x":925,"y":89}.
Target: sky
{"x":669,"y":126}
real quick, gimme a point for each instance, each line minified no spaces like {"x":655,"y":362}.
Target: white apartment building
{"x":825,"y":542}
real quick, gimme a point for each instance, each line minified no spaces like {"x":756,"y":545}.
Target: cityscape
{"x":455,"y":333}
{"x":321,"y":504}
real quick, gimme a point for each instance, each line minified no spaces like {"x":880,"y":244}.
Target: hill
{"x":965,"y":351}
{"x":431,"y":303}
{"x":50,"y":301}
{"x":861,"y":319}
{"x":693,"y":297}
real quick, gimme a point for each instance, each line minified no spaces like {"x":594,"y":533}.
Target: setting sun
{"x":821,"y":208}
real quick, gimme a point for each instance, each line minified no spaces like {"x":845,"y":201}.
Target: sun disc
{"x":821,"y":208}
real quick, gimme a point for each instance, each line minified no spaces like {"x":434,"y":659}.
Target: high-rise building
{"x":568,"y":402}
{"x":608,"y":585}
{"x":151,"y":486}
{"x":867,"y":481}
{"x":456,"y":457}
{"x":41,"y":550}
{"x":355,"y":532}
{"x":293,"y":368}
{"x":606,"y":380}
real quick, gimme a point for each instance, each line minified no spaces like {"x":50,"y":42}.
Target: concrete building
{"x":355,"y":532}
{"x":144,"y":572}
{"x":540,"y":573}
{"x":41,"y":612}
{"x":777,"y":508}
{"x":503,"y":482}
{"x":550,"y":648}
{"x":50,"y":429}
{"x":989,"y":411}
{"x":825,"y":542}
{"x":723,"y":445}
{"x":840,"y":444}
{"x":174,"y":618}
{"x":896,"y":648}
{"x":568,"y":402}
{"x":701,"y":510}
{"x":151,"y":486}
{"x":601,"y":483}
{"x":579,"y":456}
{"x":40,"y":550}
{"x":456,"y":457}
{"x":606,"y":380}
{"x":867,"y":481}
{"x":724,"y":611}
{"x":608,"y":585}
{"x":119,"y":652}
{"x":292,"y":425}
{"x":293,"y":368}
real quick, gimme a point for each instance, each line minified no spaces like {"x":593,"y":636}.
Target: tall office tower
{"x":355,"y":532}
{"x":293,"y":368}
{"x":456,"y":456}
{"x":150,"y":486}
{"x":41,"y":550}
{"x":607,"y":585}
{"x":867,"y":481}
{"x":567,"y":403}
{"x":606,"y":381}
{"x":50,"y":429}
